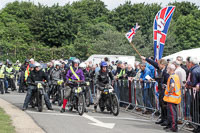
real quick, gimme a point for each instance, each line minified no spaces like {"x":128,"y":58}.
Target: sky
{"x":111,"y":4}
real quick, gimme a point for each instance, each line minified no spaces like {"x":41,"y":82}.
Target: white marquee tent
{"x":185,"y":53}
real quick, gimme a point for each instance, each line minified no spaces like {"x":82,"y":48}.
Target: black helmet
{"x":26,"y":61}
{"x":9,"y":63}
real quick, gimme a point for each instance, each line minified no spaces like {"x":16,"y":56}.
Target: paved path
{"x":71,"y":122}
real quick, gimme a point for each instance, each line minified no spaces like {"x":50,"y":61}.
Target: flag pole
{"x":135,"y":49}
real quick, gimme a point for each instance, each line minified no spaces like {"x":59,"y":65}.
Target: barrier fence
{"x":145,"y":96}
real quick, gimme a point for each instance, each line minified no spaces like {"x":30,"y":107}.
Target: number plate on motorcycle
{"x":88,"y":83}
{"x":2,"y":76}
{"x":12,"y":76}
{"x":79,"y":90}
{"x":106,"y":92}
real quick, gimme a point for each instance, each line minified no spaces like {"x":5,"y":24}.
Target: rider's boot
{"x":64,"y":105}
{"x":95,"y":108}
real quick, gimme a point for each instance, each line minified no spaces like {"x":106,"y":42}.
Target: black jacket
{"x":117,"y":71}
{"x":186,"y":70}
{"x":162,"y":75}
{"x":23,"y":68}
{"x":131,"y":73}
{"x":103,"y":77}
{"x":37,"y":76}
{"x":195,"y":76}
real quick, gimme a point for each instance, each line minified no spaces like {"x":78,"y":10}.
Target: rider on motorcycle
{"x":36,"y":75}
{"x":55,"y":74}
{"x":103,"y":78}
{"x":74,"y":73}
{"x":2,"y":70}
{"x":9,"y":70}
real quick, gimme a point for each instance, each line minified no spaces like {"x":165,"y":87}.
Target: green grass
{"x":5,"y":123}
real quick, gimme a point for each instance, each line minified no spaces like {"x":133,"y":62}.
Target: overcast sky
{"x":111,"y":4}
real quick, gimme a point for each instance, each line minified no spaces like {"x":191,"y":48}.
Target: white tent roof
{"x":185,"y":53}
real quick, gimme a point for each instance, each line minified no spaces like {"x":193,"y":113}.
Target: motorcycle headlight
{"x":39,"y":85}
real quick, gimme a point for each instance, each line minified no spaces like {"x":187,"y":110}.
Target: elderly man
{"x":180,"y":59}
{"x":172,"y":97}
{"x":182,"y":77}
{"x":193,"y":83}
{"x":130,"y":72}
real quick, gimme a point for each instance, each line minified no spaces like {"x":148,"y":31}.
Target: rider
{"x":9,"y":70}
{"x":103,"y":78}
{"x":36,"y":75}
{"x":87,"y":77}
{"x":24,"y":71}
{"x":55,"y":75}
{"x":2,"y":70}
{"x":74,"y":73}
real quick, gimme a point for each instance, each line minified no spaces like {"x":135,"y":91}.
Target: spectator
{"x":193,"y":83}
{"x":146,"y":99}
{"x":161,"y":78}
{"x":180,"y":59}
{"x":123,"y":72}
{"x":118,"y":70}
{"x":172,"y":97}
{"x":182,"y":77}
{"x":137,"y":87}
{"x":130,"y":72}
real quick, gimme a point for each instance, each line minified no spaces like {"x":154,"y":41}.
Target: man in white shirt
{"x":182,"y":76}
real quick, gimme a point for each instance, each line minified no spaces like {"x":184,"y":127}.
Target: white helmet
{"x":37,"y":64}
{"x":57,"y":63}
{"x":82,"y":65}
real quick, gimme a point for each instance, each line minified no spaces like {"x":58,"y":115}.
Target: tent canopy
{"x":185,"y":53}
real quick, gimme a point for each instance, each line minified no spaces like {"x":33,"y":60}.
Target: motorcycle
{"x":38,"y":95}
{"x":87,"y":93}
{"x":2,"y":89}
{"x":109,"y":101}
{"x":77,"y":98}
{"x":57,"y":91}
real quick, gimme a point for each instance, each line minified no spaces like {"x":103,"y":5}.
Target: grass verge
{"x":5,"y":123}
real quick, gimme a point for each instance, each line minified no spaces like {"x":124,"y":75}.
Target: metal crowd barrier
{"x":143,"y":95}
{"x":189,"y":109}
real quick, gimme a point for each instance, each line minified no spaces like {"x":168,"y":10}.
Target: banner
{"x":160,"y":28}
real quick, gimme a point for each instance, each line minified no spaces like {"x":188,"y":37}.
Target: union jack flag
{"x":131,"y":33}
{"x":160,"y":28}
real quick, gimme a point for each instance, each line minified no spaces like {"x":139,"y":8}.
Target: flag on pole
{"x":160,"y":28}
{"x":130,"y":35}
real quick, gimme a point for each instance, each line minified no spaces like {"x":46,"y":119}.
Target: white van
{"x":96,"y":59}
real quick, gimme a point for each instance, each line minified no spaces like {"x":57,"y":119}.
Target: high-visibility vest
{"x":17,"y":67}
{"x":122,"y":72}
{"x":175,"y":95}
{"x":77,"y":77}
{"x":9,"y":70}
{"x":27,"y":72}
{"x":2,"y":70}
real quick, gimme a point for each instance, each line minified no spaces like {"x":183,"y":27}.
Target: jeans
{"x":29,"y":95}
{"x":6,"y":84}
{"x":146,"y":98}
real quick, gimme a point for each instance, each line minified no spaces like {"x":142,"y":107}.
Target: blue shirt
{"x":152,"y":69}
{"x":144,"y":74}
